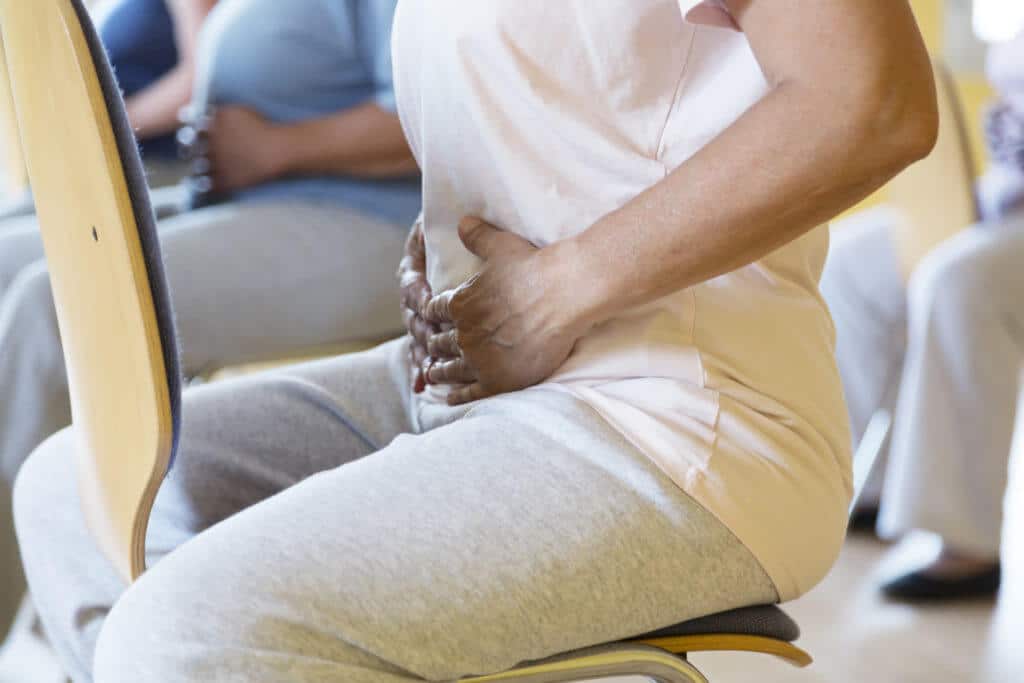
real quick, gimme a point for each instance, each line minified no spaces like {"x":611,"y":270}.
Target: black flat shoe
{"x":921,"y":587}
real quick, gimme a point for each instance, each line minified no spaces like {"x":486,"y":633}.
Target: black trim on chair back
{"x":145,"y":221}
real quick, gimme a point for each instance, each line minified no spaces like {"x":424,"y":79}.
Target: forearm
{"x":364,"y":141}
{"x":811,"y":148}
{"x":154,"y":111}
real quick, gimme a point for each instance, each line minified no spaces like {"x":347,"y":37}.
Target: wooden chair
{"x":100,"y":240}
{"x":936,"y":195}
{"x":16,"y":195}
{"x":119,"y":338}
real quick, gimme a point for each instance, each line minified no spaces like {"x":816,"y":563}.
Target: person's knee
{"x":44,"y":487}
{"x":139,"y":637}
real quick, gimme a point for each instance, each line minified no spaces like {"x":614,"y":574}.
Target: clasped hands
{"x":508,"y":327}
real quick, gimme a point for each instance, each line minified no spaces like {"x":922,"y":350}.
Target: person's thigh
{"x":20,"y":245}
{"x":527,"y":528}
{"x":242,"y":441}
{"x":254,"y":281}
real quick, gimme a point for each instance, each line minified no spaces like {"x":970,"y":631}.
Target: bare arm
{"x":851,"y":103}
{"x":154,"y":110}
{"x":365,"y":141}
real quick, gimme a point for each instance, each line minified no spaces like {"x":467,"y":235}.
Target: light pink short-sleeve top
{"x":542,"y":117}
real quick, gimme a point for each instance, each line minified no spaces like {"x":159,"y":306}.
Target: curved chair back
{"x":104,"y":259}
{"x":936,"y":195}
{"x":15,"y":179}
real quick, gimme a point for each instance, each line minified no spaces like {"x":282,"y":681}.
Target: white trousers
{"x":944,"y":355}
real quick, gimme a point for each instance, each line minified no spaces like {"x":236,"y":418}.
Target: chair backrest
{"x":936,"y":195}
{"x":15,"y":179}
{"x":104,"y":259}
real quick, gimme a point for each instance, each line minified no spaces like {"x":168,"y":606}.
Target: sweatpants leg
{"x":20,"y":246}
{"x":864,"y":290}
{"x":249,"y":282}
{"x":521,"y":528}
{"x":252,"y":281}
{"x":955,"y":419}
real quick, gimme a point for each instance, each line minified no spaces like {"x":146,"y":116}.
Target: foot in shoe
{"x":952,"y":575}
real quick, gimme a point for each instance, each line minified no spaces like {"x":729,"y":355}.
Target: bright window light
{"x":996,"y":21}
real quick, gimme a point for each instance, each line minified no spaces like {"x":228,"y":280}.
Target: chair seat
{"x":766,"y":621}
{"x":765,"y":629}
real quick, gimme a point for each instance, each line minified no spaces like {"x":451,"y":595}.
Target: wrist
{"x":279,"y":157}
{"x":579,"y":290}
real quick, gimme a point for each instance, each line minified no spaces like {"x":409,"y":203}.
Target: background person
{"x":946,"y":352}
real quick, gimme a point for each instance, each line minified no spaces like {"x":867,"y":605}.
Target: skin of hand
{"x":416,"y":293}
{"x":242,"y":149}
{"x":508,"y":327}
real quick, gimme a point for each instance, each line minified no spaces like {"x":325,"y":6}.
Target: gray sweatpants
{"x":322,"y":526}
{"x":943,"y":355}
{"x":249,"y":281}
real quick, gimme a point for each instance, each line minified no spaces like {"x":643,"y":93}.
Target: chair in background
{"x":101,"y":246}
{"x":119,"y":339}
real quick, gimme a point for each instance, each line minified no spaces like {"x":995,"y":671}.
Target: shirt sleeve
{"x":708,"y":13}
{"x":379,"y":17}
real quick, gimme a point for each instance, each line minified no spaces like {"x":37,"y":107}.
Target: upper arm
{"x":861,"y":65}
{"x":840,"y":44}
{"x":188,"y":17}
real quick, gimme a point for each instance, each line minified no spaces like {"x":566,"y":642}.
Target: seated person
{"x":943,"y":354}
{"x":320,"y":190}
{"x":632,"y":414}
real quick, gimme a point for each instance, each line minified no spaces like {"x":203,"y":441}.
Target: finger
{"x":415,"y":290}
{"x":444,"y":344}
{"x":418,"y":328}
{"x":439,"y":309}
{"x":457,"y":371}
{"x":468,"y":394}
{"x":479,"y":236}
{"x":419,"y":383}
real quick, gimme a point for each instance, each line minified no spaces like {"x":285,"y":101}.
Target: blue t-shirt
{"x":139,"y":37}
{"x":300,"y":59}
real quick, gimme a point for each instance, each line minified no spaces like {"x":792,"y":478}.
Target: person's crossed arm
{"x":851,"y":103}
{"x":153,"y":111}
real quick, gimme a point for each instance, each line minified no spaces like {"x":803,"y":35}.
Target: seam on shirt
{"x":659,"y":150}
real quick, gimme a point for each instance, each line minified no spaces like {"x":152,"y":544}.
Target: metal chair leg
{"x":602,"y":662}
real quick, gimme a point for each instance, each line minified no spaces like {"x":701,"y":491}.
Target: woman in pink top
{"x":630,"y":413}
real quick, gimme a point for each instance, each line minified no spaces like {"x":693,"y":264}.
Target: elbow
{"x":897,"y":123}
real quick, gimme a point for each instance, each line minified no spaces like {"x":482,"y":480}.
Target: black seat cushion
{"x":145,"y":221}
{"x":767,"y":621}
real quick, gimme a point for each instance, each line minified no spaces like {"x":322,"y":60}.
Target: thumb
{"x":479,"y":236}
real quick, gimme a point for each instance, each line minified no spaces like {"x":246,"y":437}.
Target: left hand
{"x":509,"y":327}
{"x":243,"y":149}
